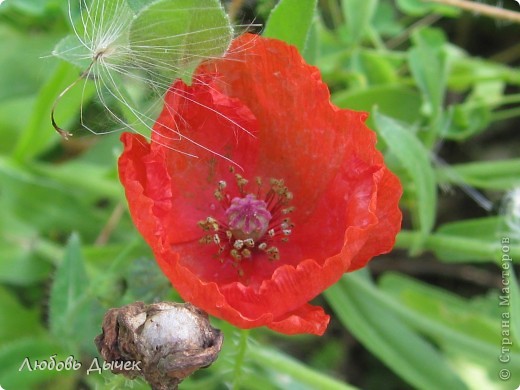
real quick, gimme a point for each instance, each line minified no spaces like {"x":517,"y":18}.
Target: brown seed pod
{"x":165,"y":342}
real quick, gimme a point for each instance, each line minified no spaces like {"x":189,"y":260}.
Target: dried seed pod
{"x":167,"y":342}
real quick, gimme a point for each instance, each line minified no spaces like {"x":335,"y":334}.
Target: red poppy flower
{"x":288,"y":194}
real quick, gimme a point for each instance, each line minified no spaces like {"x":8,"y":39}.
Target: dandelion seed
{"x":133,"y":50}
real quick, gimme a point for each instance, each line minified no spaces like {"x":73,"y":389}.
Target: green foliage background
{"x":426,"y":316}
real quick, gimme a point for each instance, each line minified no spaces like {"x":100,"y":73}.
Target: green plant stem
{"x":267,"y":357}
{"x":462,"y":245}
{"x":405,"y":35}
{"x":241,"y":354}
{"x":507,"y":56}
{"x":48,"y":250}
{"x":495,"y":175}
{"x":502,"y":100}
{"x":486,"y":168}
{"x":376,"y":40}
{"x":509,"y":99}
{"x":470,"y":79}
{"x":505,"y":114}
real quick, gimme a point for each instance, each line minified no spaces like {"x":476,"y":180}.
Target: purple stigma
{"x":248,"y":217}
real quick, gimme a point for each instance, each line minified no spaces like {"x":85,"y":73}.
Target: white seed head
{"x":511,"y":210}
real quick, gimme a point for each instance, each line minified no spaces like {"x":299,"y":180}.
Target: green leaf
{"x":488,"y":92}
{"x":71,"y":50}
{"x":27,"y":6}
{"x":467,"y":330}
{"x":169,"y":37}
{"x":38,"y":135}
{"x":377,"y":68}
{"x":10,"y":124}
{"x":484,"y":75}
{"x":385,"y":20}
{"x":291,"y":21}
{"x":23,"y":69}
{"x":358,"y":14}
{"x":95,"y":181}
{"x":467,"y":120}
{"x":441,"y":306}
{"x":384,"y":97}
{"x":138,"y":5}
{"x":68,"y":303}
{"x":415,"y":159}
{"x":16,"y":320}
{"x":13,"y":354}
{"x":311,"y":53}
{"x":428,"y":63}
{"x":474,"y":114}
{"x":20,"y":264}
{"x":32,"y":197}
{"x":382,"y":332}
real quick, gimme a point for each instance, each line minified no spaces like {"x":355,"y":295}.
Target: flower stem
{"x":239,"y":362}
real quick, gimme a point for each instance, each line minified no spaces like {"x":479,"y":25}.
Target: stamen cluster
{"x":253,"y":223}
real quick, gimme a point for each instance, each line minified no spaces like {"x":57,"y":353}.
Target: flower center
{"x":251,"y":224}
{"x":248,"y":217}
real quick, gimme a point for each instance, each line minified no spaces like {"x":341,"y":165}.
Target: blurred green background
{"x":443,"y":90}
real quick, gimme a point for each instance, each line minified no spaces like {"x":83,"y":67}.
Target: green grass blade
{"x":286,"y":365}
{"x":391,"y":340}
{"x":39,"y":134}
{"x":68,"y":309}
